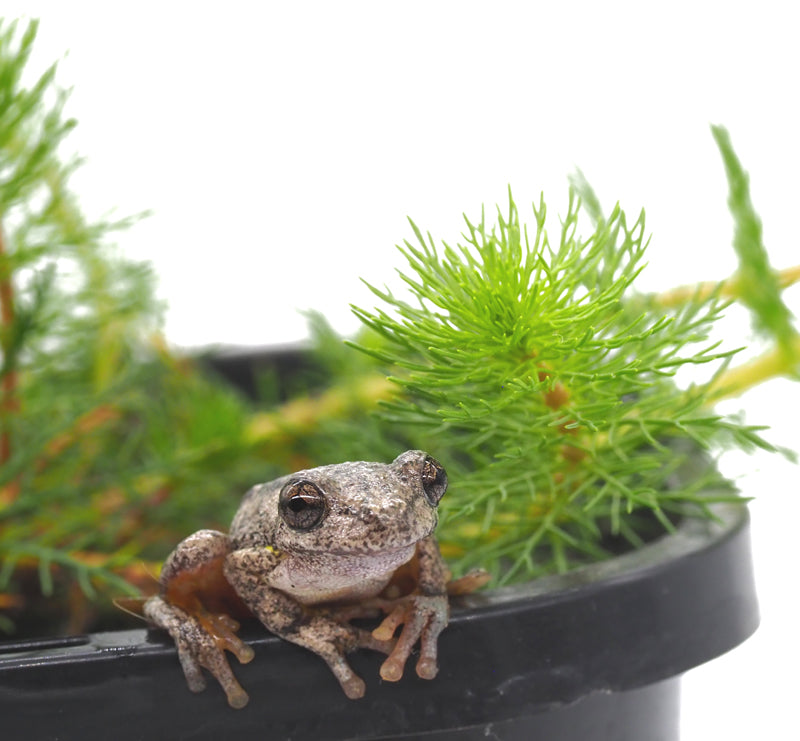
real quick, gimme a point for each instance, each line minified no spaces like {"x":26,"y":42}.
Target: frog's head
{"x":357,"y":508}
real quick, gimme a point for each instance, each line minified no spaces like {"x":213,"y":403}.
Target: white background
{"x":282,"y":145}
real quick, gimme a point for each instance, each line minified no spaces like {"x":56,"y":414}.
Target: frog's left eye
{"x":302,"y":505}
{"x":434,"y":480}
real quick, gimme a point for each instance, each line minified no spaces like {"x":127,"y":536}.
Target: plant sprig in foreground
{"x":547,"y":386}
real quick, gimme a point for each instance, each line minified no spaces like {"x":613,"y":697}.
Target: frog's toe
{"x":368,"y":640}
{"x":192,"y":672}
{"x":428,"y":666}
{"x":392,"y":669}
{"x":354,"y":687}
{"x":350,"y":682}
{"x":390,"y":623}
{"x":244,"y":653}
{"x":470,"y":582}
{"x":228,"y":640}
{"x":237,"y":697}
{"x":436,"y":622}
{"x":213,"y":659}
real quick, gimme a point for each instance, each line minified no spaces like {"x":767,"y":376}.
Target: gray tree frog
{"x":306,"y":554}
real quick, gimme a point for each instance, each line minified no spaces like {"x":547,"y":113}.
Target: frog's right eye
{"x":302,"y":505}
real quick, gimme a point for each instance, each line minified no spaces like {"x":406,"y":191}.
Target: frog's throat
{"x":320,"y":578}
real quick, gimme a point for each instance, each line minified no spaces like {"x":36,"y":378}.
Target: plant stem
{"x":735,"y":381}
{"x":728,"y":288}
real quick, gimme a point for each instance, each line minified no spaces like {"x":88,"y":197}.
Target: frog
{"x":307,"y":554}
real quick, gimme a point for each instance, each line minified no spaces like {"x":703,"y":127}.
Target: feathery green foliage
{"x":547,"y":386}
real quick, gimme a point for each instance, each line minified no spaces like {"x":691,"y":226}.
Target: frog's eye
{"x":434,"y":480}
{"x":302,"y":505}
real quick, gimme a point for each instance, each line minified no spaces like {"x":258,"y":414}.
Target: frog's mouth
{"x":349,"y":568}
{"x":390,"y":552}
{"x":402,"y":550}
{"x":373,"y":538}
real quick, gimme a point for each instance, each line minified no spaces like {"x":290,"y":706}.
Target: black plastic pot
{"x":594,"y":655}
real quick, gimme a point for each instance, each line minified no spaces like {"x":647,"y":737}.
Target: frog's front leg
{"x":193,"y":572}
{"x":423,"y":614}
{"x":314,"y":629}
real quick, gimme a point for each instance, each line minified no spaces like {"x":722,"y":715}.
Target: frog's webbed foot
{"x":201,"y":642}
{"x":423,"y":618}
{"x":332,"y":641}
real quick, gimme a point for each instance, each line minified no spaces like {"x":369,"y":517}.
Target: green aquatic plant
{"x":547,"y":381}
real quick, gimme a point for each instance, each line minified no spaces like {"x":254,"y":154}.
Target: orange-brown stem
{"x":97,"y":417}
{"x":8,"y":402}
{"x":729,"y":288}
{"x":558,"y":396}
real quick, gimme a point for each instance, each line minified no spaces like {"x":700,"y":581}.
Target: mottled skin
{"x":306,"y":554}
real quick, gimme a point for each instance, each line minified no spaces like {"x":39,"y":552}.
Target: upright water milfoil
{"x":547,"y":381}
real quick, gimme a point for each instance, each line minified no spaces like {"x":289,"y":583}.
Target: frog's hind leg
{"x":194,"y":607}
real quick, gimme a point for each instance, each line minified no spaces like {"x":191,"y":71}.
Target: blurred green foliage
{"x":110,"y":447}
{"x":757,"y":284}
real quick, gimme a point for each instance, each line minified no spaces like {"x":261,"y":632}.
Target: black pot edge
{"x":632,"y":622}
